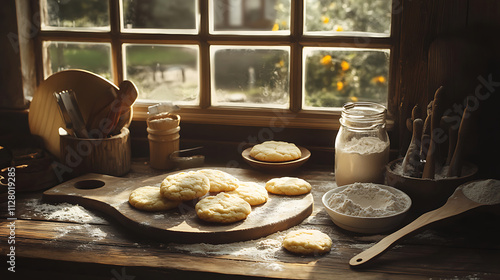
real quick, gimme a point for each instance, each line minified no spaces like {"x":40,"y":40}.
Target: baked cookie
{"x":251,"y":192}
{"x":220,"y":181}
{"x":185,"y":186}
{"x":149,"y":198}
{"x":275,"y":151}
{"x":307,"y":242}
{"x":288,"y":186}
{"x":223,"y":208}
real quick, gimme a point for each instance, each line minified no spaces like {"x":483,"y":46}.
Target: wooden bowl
{"x":284,"y":166}
{"x":427,"y":194}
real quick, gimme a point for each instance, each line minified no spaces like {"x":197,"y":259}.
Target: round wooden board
{"x":182,"y":224}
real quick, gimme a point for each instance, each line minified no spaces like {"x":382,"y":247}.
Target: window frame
{"x":295,"y":116}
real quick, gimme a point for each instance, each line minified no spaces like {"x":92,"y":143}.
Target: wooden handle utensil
{"x":432,"y":153}
{"x":411,"y":162}
{"x":457,"y":203}
{"x":465,"y":127}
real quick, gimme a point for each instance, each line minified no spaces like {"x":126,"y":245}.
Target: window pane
{"x":164,"y":72}
{"x":334,"y":76}
{"x":335,"y":17}
{"x":250,"y":76}
{"x":255,"y":16}
{"x":172,"y":16}
{"x":75,"y":14}
{"x":93,"y":57}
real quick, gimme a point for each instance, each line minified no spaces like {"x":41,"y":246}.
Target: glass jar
{"x":362,"y":144}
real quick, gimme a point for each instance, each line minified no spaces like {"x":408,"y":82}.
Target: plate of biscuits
{"x":276,"y":156}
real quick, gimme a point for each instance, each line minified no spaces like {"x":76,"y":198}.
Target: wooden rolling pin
{"x":432,"y":153}
{"x":456,"y":162}
{"x":412,"y":165}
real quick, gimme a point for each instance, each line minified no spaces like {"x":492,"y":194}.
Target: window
{"x":253,"y":60}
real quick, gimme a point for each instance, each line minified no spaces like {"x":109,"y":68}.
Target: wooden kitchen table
{"x":70,"y":242}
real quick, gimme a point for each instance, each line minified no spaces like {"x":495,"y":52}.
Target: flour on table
{"x":263,"y":249}
{"x":63,"y":212}
{"x":95,"y":233}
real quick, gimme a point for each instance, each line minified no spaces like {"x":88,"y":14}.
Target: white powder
{"x":62,"y":212}
{"x":441,"y":173}
{"x":484,"y":191}
{"x":92,"y":231}
{"x":263,"y":249}
{"x":367,"y":200}
{"x":361,"y":160}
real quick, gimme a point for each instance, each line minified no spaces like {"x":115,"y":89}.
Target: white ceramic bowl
{"x":370,"y":225}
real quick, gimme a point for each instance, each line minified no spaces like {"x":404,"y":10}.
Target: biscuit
{"x":275,"y":151}
{"x":185,"y":186}
{"x":288,"y":186}
{"x":223,"y":208}
{"x":251,"y":192}
{"x":307,"y":242}
{"x":220,"y":181}
{"x":149,"y":198}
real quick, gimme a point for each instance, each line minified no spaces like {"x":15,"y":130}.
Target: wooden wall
{"x":452,"y":43}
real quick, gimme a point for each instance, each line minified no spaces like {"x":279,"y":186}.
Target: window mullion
{"x":116,"y":44}
{"x":296,"y":24}
{"x":204,"y":63}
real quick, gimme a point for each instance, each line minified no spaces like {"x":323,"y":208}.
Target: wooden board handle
{"x":452,"y":207}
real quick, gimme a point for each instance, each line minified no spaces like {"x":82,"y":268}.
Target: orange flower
{"x":345,"y":65}
{"x":338,"y":28}
{"x":379,"y":80}
{"x":340,"y":85}
{"x":326,"y":60}
{"x":354,"y":99}
{"x":325,"y":19}
{"x":276,"y":27}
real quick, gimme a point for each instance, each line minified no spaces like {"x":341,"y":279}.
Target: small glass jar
{"x":362,"y":144}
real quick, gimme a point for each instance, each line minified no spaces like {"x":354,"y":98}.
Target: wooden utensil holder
{"x":111,"y":156}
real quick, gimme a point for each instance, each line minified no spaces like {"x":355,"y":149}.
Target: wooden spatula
{"x":457,"y":203}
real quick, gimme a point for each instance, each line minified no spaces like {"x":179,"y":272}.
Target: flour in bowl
{"x":367,"y":200}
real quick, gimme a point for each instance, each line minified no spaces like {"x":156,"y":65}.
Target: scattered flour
{"x":263,"y":249}
{"x":484,"y":191}
{"x":63,"y":212}
{"x":361,"y":160}
{"x":94,"y":232}
{"x":367,"y":200}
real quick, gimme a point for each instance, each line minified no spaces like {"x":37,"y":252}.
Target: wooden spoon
{"x":411,"y":162}
{"x":464,"y":130}
{"x":457,"y":203}
{"x":432,"y":153}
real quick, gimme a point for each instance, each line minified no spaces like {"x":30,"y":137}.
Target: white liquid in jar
{"x":361,"y":160}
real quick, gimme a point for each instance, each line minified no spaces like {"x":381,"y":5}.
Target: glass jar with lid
{"x":362,"y":144}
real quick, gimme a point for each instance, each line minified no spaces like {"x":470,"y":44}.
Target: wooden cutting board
{"x":110,"y":194}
